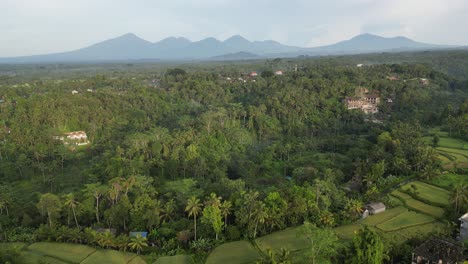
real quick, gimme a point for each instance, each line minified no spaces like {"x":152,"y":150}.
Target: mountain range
{"x":131,"y":47}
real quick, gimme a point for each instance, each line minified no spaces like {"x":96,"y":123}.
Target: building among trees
{"x":438,"y":251}
{"x":463,"y":227}
{"x":365,"y":101}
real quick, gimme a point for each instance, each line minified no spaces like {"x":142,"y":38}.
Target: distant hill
{"x":131,"y":47}
{"x":237,"y":56}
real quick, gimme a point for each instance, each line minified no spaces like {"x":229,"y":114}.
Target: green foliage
{"x":366,"y":248}
{"x":322,"y":243}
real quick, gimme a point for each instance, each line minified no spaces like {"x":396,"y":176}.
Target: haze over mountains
{"x":131,"y":47}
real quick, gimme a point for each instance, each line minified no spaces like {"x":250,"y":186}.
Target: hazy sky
{"x":44,"y":26}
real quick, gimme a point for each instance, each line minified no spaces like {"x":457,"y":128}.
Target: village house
{"x":373,"y":208}
{"x":463,"y":227}
{"x":437,"y":251}
{"x":278,"y":72}
{"x":359,"y":65}
{"x":253,"y":74}
{"x":74,"y":92}
{"x":424,"y":81}
{"x":74,"y":138}
{"x":365,"y":101}
{"x":393,"y":78}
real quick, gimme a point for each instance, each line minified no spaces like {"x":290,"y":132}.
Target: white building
{"x":463,"y":227}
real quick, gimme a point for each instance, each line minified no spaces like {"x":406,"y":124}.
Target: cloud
{"x":43,"y":26}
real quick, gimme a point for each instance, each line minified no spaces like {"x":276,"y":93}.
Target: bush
{"x":233,"y":233}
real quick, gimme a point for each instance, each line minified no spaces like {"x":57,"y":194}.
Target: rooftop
{"x":376,"y":206}
{"x":464,"y":217}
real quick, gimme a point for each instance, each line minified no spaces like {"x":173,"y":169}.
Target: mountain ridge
{"x":131,"y":47}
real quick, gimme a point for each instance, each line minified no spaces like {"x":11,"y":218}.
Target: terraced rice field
{"x":429,"y":192}
{"x":404,"y":220}
{"x":425,"y":208}
{"x":238,"y":252}
{"x":288,"y":239}
{"x":179,"y":259}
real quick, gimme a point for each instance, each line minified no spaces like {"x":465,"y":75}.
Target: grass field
{"x":67,"y":252}
{"x":64,"y":253}
{"x":429,"y":192}
{"x":238,"y":252}
{"x":288,"y":239}
{"x":452,"y":143}
{"x":179,"y":259}
{"x":109,"y":256}
{"x":448,"y":180}
{"x":403,"y":235}
{"x":425,"y":208}
{"x":347,"y":231}
{"x":404,"y":220}
{"x":29,"y":257}
{"x":385,"y":216}
{"x":402,"y":196}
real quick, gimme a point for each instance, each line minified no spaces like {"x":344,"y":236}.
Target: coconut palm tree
{"x":193,"y":208}
{"x":213,"y":200}
{"x":138,"y":243}
{"x":260,"y":215}
{"x":71,"y":203}
{"x":226,"y":208}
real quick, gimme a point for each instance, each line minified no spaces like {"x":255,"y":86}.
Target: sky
{"x":30,"y":27}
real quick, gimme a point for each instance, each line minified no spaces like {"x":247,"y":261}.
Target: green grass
{"x":67,"y":252}
{"x":385,"y":216}
{"x":109,"y":256}
{"x":179,"y":259}
{"x":12,"y":245}
{"x":347,"y":231}
{"x":238,"y":252}
{"x":449,"y":180}
{"x":288,"y":239}
{"x":463,"y":152}
{"x":404,"y":220}
{"x":139,"y":260}
{"x":453,"y":143}
{"x":28,"y":257}
{"x":425,"y":208}
{"x":401,"y":236}
{"x":429,"y":192}
{"x":402,"y":196}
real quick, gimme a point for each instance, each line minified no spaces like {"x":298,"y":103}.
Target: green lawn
{"x":67,"y":252}
{"x":448,"y":180}
{"x":429,"y":192}
{"x":385,"y":216}
{"x":404,"y":220}
{"x":288,"y":239}
{"x":238,"y":252}
{"x":425,"y":208}
{"x":179,"y":259}
{"x":109,"y":256}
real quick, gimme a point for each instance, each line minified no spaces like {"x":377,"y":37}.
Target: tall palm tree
{"x":71,"y":203}
{"x":213,"y":200}
{"x":169,"y":209}
{"x":260,"y":215}
{"x":138,"y":243}
{"x":193,"y":208}
{"x":459,"y":196}
{"x":226,"y":208}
